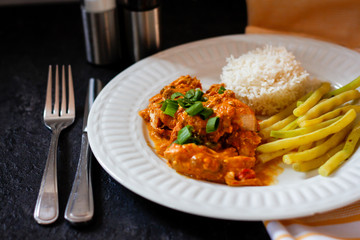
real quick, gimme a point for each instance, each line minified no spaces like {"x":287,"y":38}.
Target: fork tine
{"x":63,"y":98}
{"x":47,"y":204}
{"x":56,"y":102}
{"x":48,"y":100}
{"x":71,"y":107}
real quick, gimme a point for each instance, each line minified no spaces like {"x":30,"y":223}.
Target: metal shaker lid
{"x":98,"y":5}
{"x":140,"y":5}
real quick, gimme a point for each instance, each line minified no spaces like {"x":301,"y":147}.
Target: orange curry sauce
{"x":226,"y":155}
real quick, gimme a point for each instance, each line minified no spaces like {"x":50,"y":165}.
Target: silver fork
{"x":56,"y":119}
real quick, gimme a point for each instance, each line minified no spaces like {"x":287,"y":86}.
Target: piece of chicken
{"x":230,"y":109}
{"x":237,"y":128}
{"x":202,"y":163}
{"x":160,"y":122}
{"x":225,"y":155}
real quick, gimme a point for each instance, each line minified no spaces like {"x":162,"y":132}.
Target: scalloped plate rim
{"x":222,"y":212}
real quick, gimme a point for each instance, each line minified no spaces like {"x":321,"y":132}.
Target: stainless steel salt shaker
{"x":142,"y":27}
{"x":101,"y":30}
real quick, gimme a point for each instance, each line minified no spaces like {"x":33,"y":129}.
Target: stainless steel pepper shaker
{"x":101,"y":30}
{"x":142,"y":27}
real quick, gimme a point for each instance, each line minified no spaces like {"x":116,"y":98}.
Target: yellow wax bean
{"x":329,"y":104}
{"x":309,"y":137}
{"x":277,"y":117}
{"x":281,"y":115}
{"x":301,"y":131}
{"x":321,"y":141}
{"x":335,"y":161}
{"x":312,"y":100}
{"x":265,"y":133}
{"x":317,"y":151}
{"x":354,"y":84}
{"x":329,"y":115}
{"x":265,"y":157}
{"x":317,"y":162}
{"x":305,"y":147}
{"x":290,"y":126}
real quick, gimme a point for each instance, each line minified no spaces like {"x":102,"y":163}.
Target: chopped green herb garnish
{"x":176,"y":94}
{"x":206,"y":113}
{"x":189,"y":94}
{"x":198,"y":95}
{"x":221,"y":90}
{"x":184,"y":102}
{"x":184,"y":135}
{"x":170,"y":107}
{"x":196,"y":108}
{"x":191,"y":102}
{"x":163,"y":105}
{"x":212,"y":124}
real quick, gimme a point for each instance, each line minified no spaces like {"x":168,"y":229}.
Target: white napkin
{"x":342,"y":223}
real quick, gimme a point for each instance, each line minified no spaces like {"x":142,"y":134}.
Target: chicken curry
{"x":208,"y":135}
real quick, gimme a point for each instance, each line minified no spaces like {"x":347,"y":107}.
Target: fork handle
{"x":47,"y":204}
{"x":80,"y":206}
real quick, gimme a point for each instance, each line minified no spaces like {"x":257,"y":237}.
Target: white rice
{"x":267,"y":79}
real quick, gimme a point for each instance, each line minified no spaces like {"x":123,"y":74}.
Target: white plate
{"x":119,"y":140}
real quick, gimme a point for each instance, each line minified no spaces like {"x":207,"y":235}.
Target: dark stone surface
{"x":31,"y":38}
